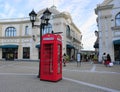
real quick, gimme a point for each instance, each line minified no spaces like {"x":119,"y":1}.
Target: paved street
{"x":16,"y":76}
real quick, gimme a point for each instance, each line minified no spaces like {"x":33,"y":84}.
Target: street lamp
{"x":47,"y":15}
{"x":32,"y":15}
{"x":44,"y":21}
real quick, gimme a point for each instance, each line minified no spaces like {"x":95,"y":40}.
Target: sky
{"x":82,"y":13}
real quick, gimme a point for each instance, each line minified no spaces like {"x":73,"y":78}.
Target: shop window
{"x":117,"y":19}
{"x":16,"y":53}
{"x":10,"y":32}
{"x":117,"y":52}
{"x":7,"y":52}
{"x":3,"y":53}
{"x":26,"y":52}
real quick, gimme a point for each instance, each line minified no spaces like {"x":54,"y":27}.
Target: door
{"x":47,"y":61}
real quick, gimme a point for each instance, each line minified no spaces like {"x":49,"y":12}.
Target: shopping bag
{"x":111,"y":64}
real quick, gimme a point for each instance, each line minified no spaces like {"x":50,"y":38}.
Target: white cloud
{"x":82,"y":12}
{"x":16,"y":1}
{"x":21,"y":15}
{"x":89,"y":23}
{"x":78,"y":10}
{"x":88,"y":32}
{"x":83,"y":18}
{"x":8,"y":10}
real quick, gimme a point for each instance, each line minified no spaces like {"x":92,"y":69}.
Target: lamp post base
{"x":38,"y":76}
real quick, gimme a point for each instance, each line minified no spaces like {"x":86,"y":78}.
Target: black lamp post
{"x":44,"y":21}
{"x":32,"y":15}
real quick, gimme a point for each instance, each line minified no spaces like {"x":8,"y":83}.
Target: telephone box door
{"x":47,"y":56}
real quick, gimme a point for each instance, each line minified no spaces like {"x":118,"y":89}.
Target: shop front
{"x":70,"y":51}
{"x":9,"y":52}
{"x":117,"y":50}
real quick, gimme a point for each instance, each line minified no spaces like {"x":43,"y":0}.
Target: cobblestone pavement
{"x":17,"y":76}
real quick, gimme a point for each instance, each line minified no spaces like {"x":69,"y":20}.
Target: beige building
{"x":108,"y":21}
{"x":18,"y":40}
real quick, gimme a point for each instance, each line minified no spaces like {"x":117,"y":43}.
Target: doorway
{"x":117,"y":52}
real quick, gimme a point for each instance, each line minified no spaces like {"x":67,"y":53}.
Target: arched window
{"x":26,"y":30}
{"x":117,"y":19}
{"x":68,"y":31}
{"x":10,"y":32}
{"x":47,"y":29}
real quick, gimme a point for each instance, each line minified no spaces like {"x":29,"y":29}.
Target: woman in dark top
{"x":108,"y":60}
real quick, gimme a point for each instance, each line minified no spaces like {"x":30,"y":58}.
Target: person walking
{"x":104,"y":58}
{"x":64,"y":60}
{"x":108,"y":61}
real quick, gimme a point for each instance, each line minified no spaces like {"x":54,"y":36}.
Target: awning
{"x":116,"y":42}
{"x":70,"y":46}
{"x":8,"y":46}
{"x":37,"y":46}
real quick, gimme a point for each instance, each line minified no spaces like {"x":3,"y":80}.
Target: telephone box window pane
{"x":26,"y":52}
{"x":59,"y":58}
{"x":48,"y":58}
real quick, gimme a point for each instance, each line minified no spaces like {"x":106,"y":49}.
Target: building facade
{"x":19,"y":41}
{"x":108,"y":21}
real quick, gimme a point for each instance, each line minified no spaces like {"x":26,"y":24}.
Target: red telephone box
{"x":51,"y":57}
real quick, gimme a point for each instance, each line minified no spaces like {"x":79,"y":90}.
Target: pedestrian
{"x":104,"y":58}
{"x":95,"y":58}
{"x":108,"y":61}
{"x":64,"y":60}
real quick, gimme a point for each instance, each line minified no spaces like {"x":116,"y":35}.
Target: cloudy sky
{"x":82,"y":12}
